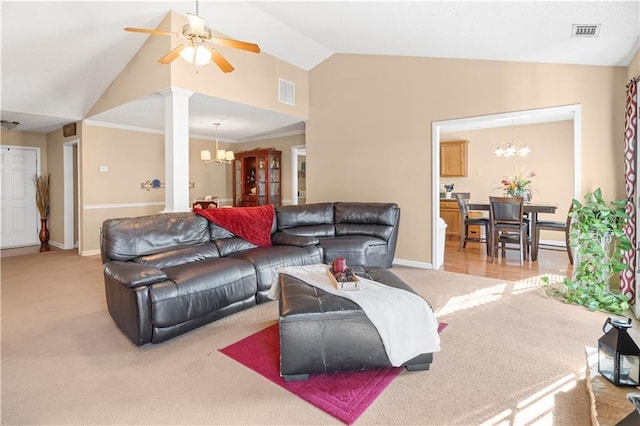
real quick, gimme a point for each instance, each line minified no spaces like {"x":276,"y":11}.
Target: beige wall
{"x":551,"y":158}
{"x":372,"y":115}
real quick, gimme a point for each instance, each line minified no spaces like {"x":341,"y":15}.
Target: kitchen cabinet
{"x":450,"y":213}
{"x":256,"y":178}
{"x":453,"y":159}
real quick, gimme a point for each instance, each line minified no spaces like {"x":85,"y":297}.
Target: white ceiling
{"x":59,"y":57}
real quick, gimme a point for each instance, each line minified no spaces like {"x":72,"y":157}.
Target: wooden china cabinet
{"x":256,"y":177}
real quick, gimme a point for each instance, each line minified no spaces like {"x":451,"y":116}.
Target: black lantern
{"x":618,"y":355}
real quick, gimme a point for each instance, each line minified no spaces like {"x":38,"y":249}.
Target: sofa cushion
{"x":267,"y":261}
{"x":127,"y":238}
{"x":374,"y":219}
{"x":312,"y":220}
{"x":356,"y":249}
{"x":197,"y":289}
{"x":175,"y":257}
{"x":227,"y":246}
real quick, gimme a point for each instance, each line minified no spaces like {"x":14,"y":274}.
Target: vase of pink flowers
{"x":518,"y":185}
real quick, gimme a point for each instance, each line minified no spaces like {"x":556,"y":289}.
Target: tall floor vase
{"x":44,"y":235}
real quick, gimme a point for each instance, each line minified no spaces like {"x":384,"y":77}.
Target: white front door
{"x":20,"y":219}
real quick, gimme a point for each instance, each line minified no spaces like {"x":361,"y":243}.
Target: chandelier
{"x":221,"y":156}
{"x":511,"y":149}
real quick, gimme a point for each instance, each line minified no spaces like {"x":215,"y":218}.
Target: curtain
{"x":627,"y":278}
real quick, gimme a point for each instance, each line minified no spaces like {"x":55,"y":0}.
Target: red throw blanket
{"x":249,"y":223}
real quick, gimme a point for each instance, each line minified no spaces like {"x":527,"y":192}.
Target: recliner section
{"x":365,"y":234}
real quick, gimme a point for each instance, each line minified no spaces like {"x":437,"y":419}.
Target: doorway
{"x":70,"y":170}
{"x":299,"y":174}
{"x":542,"y":115}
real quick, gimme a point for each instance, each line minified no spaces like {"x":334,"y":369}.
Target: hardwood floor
{"x":473,"y":260}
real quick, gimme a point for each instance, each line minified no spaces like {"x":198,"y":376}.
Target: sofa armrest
{"x":285,"y":239}
{"x":131,"y":274}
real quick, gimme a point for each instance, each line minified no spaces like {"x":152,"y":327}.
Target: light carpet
{"x":509,"y":356}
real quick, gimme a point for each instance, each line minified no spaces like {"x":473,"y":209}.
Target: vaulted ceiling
{"x":59,"y":57}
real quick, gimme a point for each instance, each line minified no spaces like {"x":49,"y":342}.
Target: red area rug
{"x":344,"y":395}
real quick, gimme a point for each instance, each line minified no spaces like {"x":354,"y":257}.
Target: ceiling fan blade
{"x":144,"y":30}
{"x":237,"y":44}
{"x":169,"y":57}
{"x":220,"y":61}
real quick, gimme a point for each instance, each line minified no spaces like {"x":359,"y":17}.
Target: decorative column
{"x":176,"y":149}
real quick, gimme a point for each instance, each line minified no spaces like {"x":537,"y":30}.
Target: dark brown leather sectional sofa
{"x":167,"y":274}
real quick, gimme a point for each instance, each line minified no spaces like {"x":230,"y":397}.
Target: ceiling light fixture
{"x":512,"y":148}
{"x":221,"y":156}
{"x":6,"y":124}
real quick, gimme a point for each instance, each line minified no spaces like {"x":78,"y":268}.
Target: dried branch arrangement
{"x":42,"y":194}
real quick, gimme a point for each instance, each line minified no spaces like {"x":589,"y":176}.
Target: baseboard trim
{"x":90,"y":252}
{"x":413,"y":263}
{"x":559,"y":244}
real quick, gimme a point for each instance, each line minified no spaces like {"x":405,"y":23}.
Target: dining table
{"x":531,"y":209}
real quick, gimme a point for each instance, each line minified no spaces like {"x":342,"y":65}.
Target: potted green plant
{"x":41,"y":184}
{"x":599,"y":243}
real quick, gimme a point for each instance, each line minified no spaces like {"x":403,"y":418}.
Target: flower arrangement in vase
{"x":518,"y":185}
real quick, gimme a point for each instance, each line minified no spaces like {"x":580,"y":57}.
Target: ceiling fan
{"x":197,"y":49}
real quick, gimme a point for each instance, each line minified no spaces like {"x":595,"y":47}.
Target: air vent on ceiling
{"x":592,"y":30}
{"x":286,"y":92}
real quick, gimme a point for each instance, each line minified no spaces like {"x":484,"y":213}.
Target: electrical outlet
{"x":478,"y":172}
{"x":104,"y":169}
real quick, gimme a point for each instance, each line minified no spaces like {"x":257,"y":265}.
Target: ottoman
{"x":321,"y":332}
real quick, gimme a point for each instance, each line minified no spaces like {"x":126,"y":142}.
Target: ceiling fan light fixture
{"x":198,"y":55}
{"x":196,"y":50}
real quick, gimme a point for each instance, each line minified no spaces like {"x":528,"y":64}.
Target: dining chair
{"x":506,"y":216}
{"x":553,"y":225}
{"x":466,"y":221}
